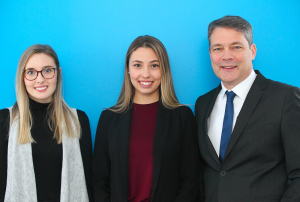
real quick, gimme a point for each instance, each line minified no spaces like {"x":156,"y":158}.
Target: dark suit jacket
{"x":175,"y":156}
{"x":262,"y":160}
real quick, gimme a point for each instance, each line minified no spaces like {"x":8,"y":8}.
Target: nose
{"x":40,"y":78}
{"x":146,"y":72}
{"x":227,"y":54}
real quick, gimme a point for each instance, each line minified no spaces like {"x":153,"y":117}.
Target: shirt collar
{"x":242,"y":89}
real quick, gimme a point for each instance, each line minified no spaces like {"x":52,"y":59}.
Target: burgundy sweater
{"x":140,"y":159}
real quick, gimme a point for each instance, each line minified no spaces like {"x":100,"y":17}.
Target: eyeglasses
{"x":47,"y":73}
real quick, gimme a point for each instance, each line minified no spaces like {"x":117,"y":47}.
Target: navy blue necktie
{"x":227,"y":124}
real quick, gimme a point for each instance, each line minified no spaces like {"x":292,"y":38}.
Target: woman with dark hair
{"x":146,"y":145}
{"x":45,"y":146}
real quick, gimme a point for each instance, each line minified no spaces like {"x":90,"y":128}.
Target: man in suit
{"x":249,"y":126}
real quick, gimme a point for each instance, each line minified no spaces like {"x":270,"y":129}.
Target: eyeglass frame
{"x":41,"y":73}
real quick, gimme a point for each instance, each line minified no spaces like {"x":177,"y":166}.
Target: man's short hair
{"x":234,"y":22}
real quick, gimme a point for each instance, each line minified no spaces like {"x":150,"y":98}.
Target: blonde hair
{"x":58,"y":111}
{"x":167,"y":92}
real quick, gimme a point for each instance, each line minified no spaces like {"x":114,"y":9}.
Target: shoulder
{"x":81,"y":114}
{"x":285,"y":91}
{"x":107,"y":115}
{"x":282,"y":91}
{"x":207,"y":96}
{"x":183,"y":112}
{"x":4,"y":116}
{"x":4,"y":122}
{"x":271,"y":86}
{"x":278,"y":86}
{"x":82,"y":117}
{"x":108,"y":119}
{"x":183,"y":109}
{"x":182,"y":118}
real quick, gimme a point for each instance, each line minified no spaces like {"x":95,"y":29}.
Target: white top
{"x":215,"y":121}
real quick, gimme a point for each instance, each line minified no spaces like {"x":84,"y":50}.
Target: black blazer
{"x":262,"y":160}
{"x":175,"y":156}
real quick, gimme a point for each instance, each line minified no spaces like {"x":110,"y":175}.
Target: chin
{"x":42,"y":99}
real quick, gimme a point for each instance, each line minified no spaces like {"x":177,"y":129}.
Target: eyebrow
{"x":215,"y":45}
{"x":233,"y":43}
{"x":142,"y":62}
{"x":236,"y":42}
{"x":31,"y":68}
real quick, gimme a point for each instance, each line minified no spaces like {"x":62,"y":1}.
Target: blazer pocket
{"x":260,"y":128}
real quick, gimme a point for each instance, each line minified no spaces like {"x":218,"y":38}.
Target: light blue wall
{"x":91,"y":39}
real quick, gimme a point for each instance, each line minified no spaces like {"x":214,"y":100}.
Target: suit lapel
{"x":252,"y":99}
{"x":209,"y":145}
{"x":160,"y":137}
{"x":123,"y":142}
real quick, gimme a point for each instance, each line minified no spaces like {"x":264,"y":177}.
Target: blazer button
{"x":223,"y":173}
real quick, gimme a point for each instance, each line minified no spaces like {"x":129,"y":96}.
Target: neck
{"x":231,"y":85}
{"x":228,"y":86}
{"x":146,"y":99}
{"x":43,"y":101}
{"x":37,"y":106}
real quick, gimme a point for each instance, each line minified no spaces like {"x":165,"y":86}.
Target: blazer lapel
{"x":209,"y":145}
{"x":252,"y":99}
{"x":123,"y":142}
{"x":160,"y":137}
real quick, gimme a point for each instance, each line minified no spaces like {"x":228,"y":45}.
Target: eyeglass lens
{"x":47,"y":73}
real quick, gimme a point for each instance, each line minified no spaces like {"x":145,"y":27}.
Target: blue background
{"x":91,"y":39}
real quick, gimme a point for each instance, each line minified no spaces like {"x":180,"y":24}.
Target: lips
{"x":228,"y":67}
{"x":145,"y":83}
{"x":41,"y":88}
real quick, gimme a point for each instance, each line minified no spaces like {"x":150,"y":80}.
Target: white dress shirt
{"x":215,"y":120}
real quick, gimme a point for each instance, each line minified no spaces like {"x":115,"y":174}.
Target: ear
{"x":253,"y":51}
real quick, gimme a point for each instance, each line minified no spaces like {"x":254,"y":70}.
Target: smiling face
{"x":40,"y":89}
{"x":231,"y":57}
{"x":145,"y":75}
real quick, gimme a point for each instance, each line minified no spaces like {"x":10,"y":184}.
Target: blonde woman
{"x":146,"y":145}
{"x":45,"y":146}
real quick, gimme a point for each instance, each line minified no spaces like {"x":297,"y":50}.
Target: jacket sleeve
{"x":189,"y":159}
{"x":4,"y":129}
{"x":290,"y":133}
{"x":101,"y":168}
{"x":200,"y":196}
{"x":86,"y":150}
